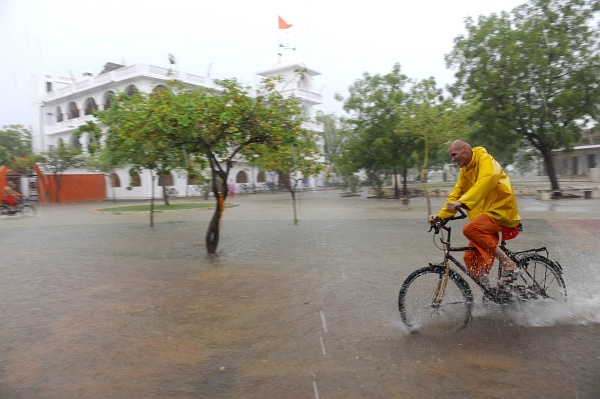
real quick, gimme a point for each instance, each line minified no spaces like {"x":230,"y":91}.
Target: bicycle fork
{"x":438,"y":295}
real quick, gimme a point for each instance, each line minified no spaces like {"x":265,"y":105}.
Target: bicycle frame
{"x":448,"y":257}
{"x":448,"y":249}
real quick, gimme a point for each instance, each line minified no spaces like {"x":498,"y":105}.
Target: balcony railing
{"x":302,"y":94}
{"x":125,"y":73}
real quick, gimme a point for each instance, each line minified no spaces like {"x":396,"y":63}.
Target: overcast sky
{"x":231,"y":38}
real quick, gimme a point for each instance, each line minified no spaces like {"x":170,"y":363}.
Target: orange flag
{"x":283,"y":24}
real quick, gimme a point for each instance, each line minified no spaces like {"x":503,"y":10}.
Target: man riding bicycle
{"x":486,"y":193}
{"x":11,"y":195}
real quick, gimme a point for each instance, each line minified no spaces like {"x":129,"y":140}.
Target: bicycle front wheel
{"x":29,"y":210}
{"x":429,"y":308}
{"x":542,"y":279}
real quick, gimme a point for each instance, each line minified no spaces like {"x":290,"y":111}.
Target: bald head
{"x":460,"y":152}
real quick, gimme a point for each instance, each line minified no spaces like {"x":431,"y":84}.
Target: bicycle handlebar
{"x":438,"y":225}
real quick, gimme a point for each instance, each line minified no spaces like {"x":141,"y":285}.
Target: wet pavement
{"x":103,"y":306}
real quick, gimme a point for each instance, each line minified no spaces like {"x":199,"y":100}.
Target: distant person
{"x":486,"y":193}
{"x":231,"y":188}
{"x":11,"y":195}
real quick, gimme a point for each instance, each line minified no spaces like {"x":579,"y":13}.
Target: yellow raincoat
{"x":484,"y":188}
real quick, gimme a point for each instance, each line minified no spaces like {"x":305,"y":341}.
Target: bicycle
{"x":270,"y":186}
{"x":437,"y":298}
{"x":248,"y":188}
{"x":23,"y":207}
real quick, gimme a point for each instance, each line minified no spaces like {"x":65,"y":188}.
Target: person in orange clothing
{"x":486,"y":193}
{"x":11,"y":195}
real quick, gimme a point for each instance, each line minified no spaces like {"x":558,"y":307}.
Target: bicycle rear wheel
{"x":422,"y":314}
{"x":542,"y":279}
{"x":29,"y":210}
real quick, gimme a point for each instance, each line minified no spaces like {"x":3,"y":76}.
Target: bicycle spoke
{"x":447,"y":310}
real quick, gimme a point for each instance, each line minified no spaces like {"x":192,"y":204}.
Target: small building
{"x":581,"y":162}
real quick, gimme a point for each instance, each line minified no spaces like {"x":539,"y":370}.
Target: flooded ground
{"x":102,"y":306}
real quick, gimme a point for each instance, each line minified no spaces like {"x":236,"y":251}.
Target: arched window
{"x":75,"y":142}
{"x":165,"y":179}
{"x":158,"y":90}
{"x":60,"y":142}
{"x":193,"y":180}
{"x":73,"y":110}
{"x":90,"y":106}
{"x":136,"y":181}
{"x":59,"y":115}
{"x":108,"y":99}
{"x":131,"y":90}
{"x":241,"y":177}
{"x":114,"y":180}
{"x":260,"y":178}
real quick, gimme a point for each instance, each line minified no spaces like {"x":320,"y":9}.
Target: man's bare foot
{"x":509,"y":265}
{"x":510,"y":272}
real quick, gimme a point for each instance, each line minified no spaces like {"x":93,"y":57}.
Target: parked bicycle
{"x":271,"y":186}
{"x":23,"y":207}
{"x":247,"y":188}
{"x":438,"y":299}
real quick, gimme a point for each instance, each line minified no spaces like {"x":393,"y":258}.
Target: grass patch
{"x":159,"y":207}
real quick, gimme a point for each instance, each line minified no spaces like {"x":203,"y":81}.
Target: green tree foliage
{"x":376,"y":144}
{"x":293,"y":157}
{"x":535,"y":70}
{"x":399,"y":123}
{"x":56,"y":161}
{"x":98,"y":160}
{"x":15,"y":142}
{"x":335,"y":133}
{"x":139,"y":134}
{"x":174,"y":128}
{"x":433,"y":121}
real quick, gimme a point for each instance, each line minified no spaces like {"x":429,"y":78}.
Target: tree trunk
{"x":285,"y":180}
{"x":404,"y":184}
{"x":396,"y":185}
{"x":212,"y":234}
{"x":165,"y":195}
{"x":112,"y":189}
{"x":549,"y":165}
{"x":152,"y":202}
{"x":57,"y":184}
{"x":294,"y":206}
{"x":423,"y":175}
{"x":220,"y":192}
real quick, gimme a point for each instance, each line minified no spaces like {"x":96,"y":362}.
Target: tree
{"x":167,"y":129}
{"x":140,"y":134}
{"x":294,"y":157}
{"x":98,"y":160}
{"x":334,"y":133}
{"x":56,"y":161}
{"x":15,"y":142}
{"x":433,"y":121}
{"x":535,"y":71}
{"x":377,"y":145}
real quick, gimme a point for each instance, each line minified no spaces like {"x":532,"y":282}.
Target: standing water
{"x":95,"y":305}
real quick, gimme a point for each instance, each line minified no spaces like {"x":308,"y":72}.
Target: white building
{"x":64,"y":104}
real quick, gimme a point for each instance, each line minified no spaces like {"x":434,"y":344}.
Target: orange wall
{"x":79,"y":188}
